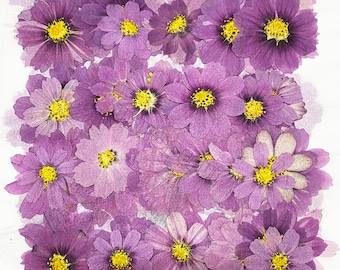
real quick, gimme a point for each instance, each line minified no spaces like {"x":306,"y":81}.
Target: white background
{"x":320,"y":78}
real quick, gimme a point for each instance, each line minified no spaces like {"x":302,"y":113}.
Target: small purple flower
{"x":115,"y":251}
{"x":279,"y":252}
{"x":45,"y":176}
{"x":171,"y":30}
{"x":124,"y":26}
{"x":50,"y":109}
{"x":103,"y":158}
{"x":205,"y":98}
{"x":217,"y":30}
{"x":275,"y":34}
{"x":48,"y":36}
{"x":180,"y":246}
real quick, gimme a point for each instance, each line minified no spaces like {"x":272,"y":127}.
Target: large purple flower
{"x":205,"y":99}
{"x":45,"y":176}
{"x":275,"y":34}
{"x":171,"y":29}
{"x":48,"y":36}
{"x":180,"y":246}
{"x":217,"y":30}
{"x":279,"y":252}
{"x":57,"y":247}
{"x":103,"y":158}
{"x":124,"y":26}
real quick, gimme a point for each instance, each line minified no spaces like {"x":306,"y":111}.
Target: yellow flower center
{"x":106,"y":158}
{"x":254,"y":109}
{"x":235,"y":173}
{"x":203,"y":98}
{"x":145,"y":100}
{"x":59,"y":110}
{"x":120,"y":260}
{"x":58,"y":30}
{"x":206,"y":156}
{"x":277,"y":29}
{"x":279,"y":261}
{"x":48,"y":174}
{"x":181,"y":251}
{"x":229,"y":30}
{"x":128,"y":28}
{"x":265,"y":175}
{"x":177,"y":25}
{"x":58,"y":262}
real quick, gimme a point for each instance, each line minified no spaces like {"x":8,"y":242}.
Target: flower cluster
{"x":161,"y":135}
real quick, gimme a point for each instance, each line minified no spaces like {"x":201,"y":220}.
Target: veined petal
{"x":301,"y":163}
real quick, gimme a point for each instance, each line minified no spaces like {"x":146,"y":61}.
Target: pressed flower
{"x":273,"y":170}
{"x":45,"y":176}
{"x":205,"y":98}
{"x":180,"y":246}
{"x":217,"y":30}
{"x":49,"y":38}
{"x":122,"y":250}
{"x":50,"y":108}
{"x":57,"y":248}
{"x":124,"y":27}
{"x":103,"y":159}
{"x":221,"y":253}
{"x":171,"y":30}
{"x":275,"y":34}
{"x":279,"y":252}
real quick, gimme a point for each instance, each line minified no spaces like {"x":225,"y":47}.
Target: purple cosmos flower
{"x":57,"y":248}
{"x":205,"y":98}
{"x":124,"y":26}
{"x":221,"y":253}
{"x":50,"y":109}
{"x":279,"y":252}
{"x":103,"y":158}
{"x":217,"y":30}
{"x":122,"y":249}
{"x":180,"y":246}
{"x":287,"y":89}
{"x":275,"y":34}
{"x":143,"y":103}
{"x":48,"y":36}
{"x":45,"y":176}
{"x":171,"y":29}
{"x":273,"y":170}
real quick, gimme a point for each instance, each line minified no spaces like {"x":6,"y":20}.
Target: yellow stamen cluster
{"x":265,"y":175}
{"x":229,"y":30}
{"x":181,"y":251}
{"x":253,"y":109}
{"x":58,"y":30}
{"x":59,"y":110}
{"x":279,"y":261}
{"x":128,"y":28}
{"x":206,"y":156}
{"x":177,"y":25}
{"x":106,"y":158}
{"x":145,"y":100}
{"x":277,"y":29}
{"x":58,"y":262}
{"x":203,"y":98}
{"x":48,"y":174}
{"x":120,"y":260}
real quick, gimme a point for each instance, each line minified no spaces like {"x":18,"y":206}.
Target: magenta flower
{"x":279,"y":252}
{"x":205,"y":98}
{"x":124,"y":27}
{"x":171,"y":30}
{"x":50,"y":110}
{"x":45,"y":176}
{"x":103,"y":158}
{"x":217,"y":30}
{"x":275,"y":34}
{"x":48,"y":36}
{"x":180,"y":246}
{"x":114,"y":251}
